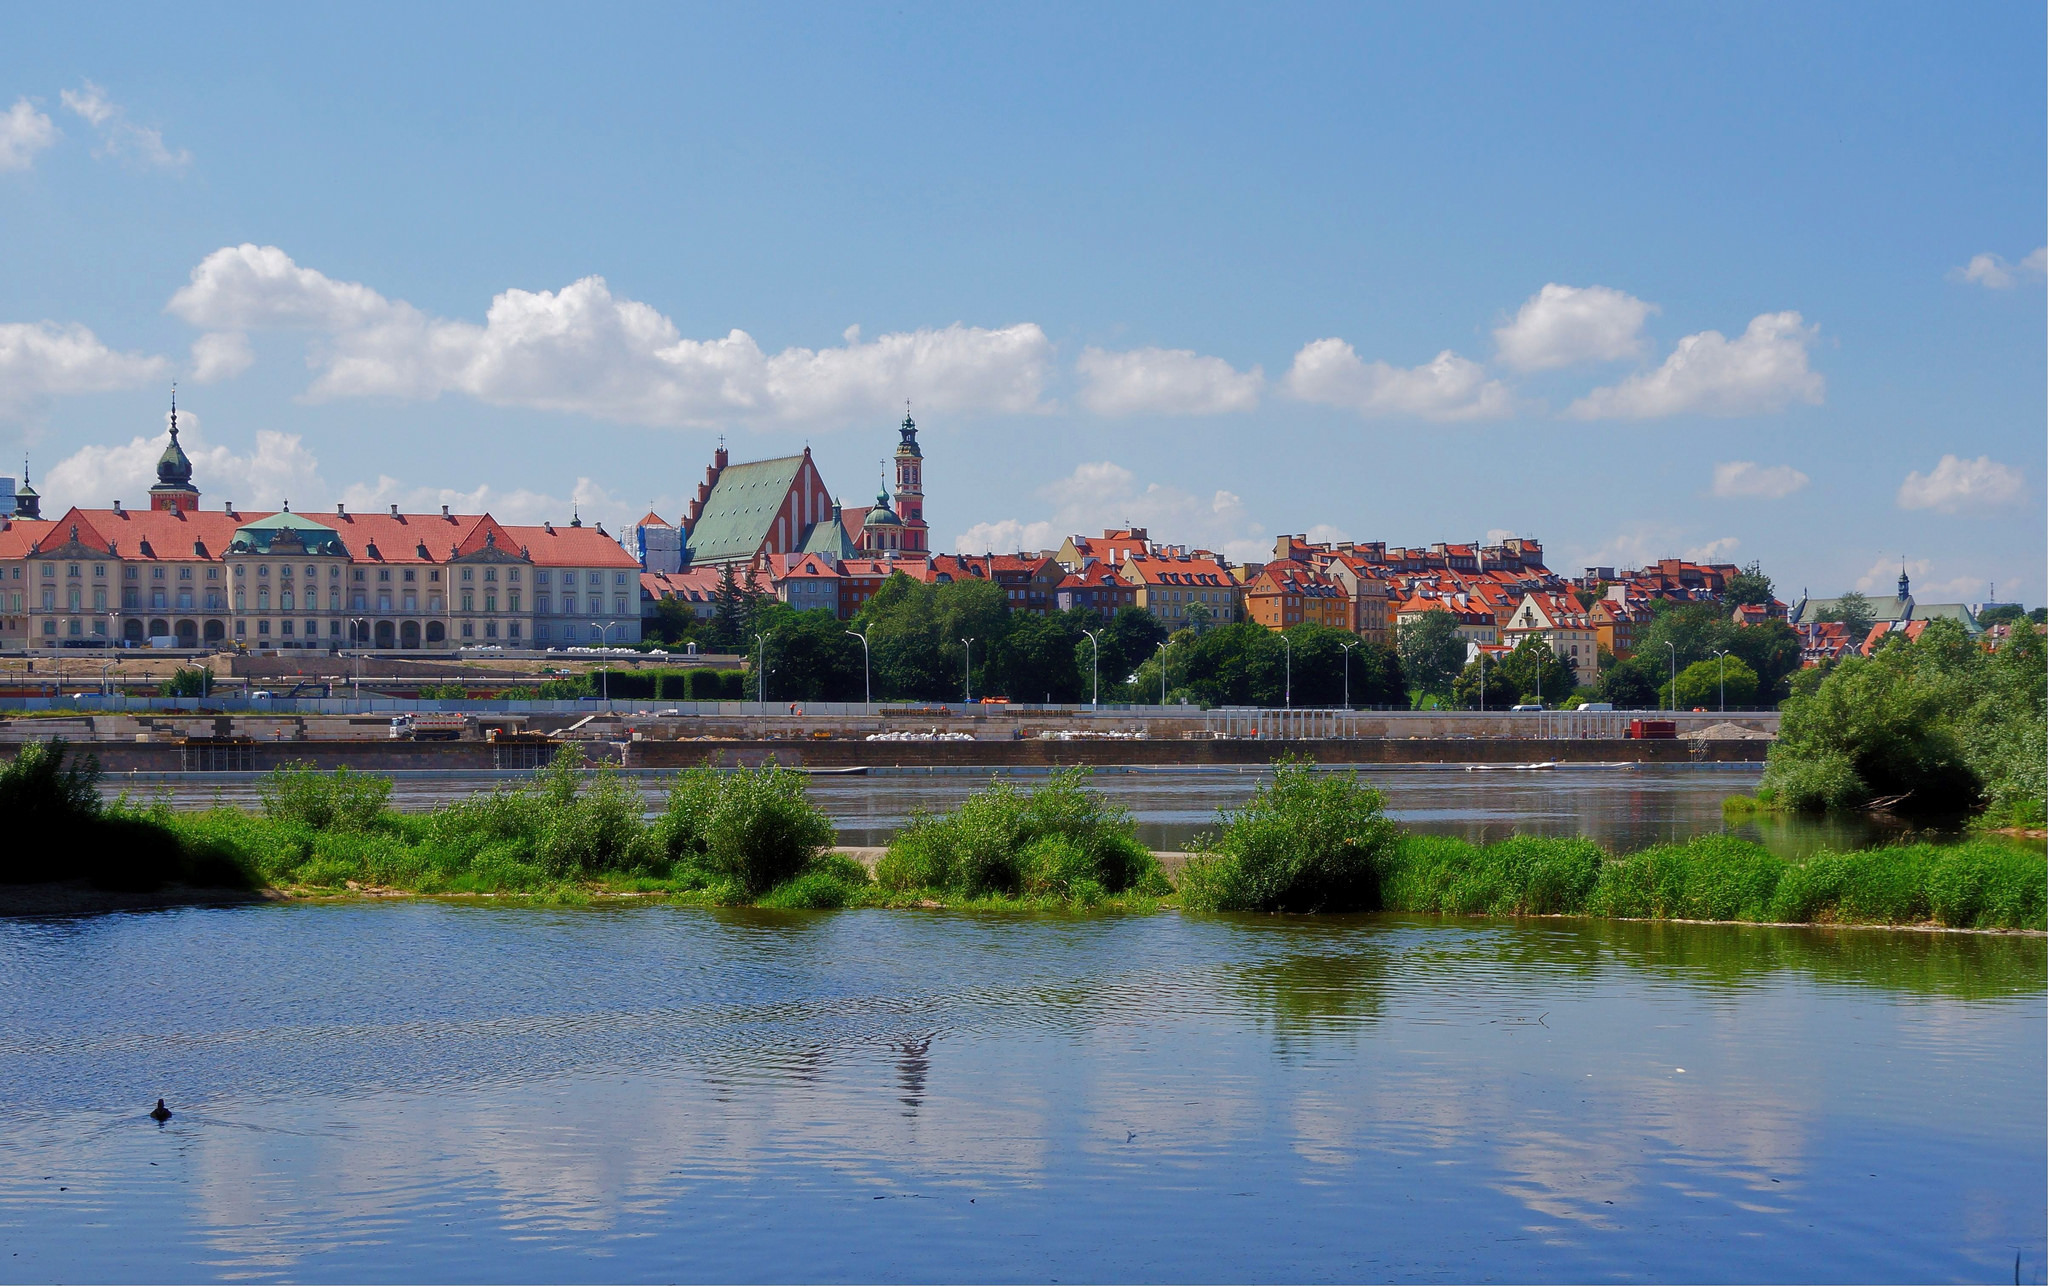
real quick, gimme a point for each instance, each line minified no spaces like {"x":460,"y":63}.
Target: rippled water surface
{"x":425,"y":1091}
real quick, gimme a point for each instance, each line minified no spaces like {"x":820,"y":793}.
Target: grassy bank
{"x":1320,"y":842}
{"x":1305,"y":842}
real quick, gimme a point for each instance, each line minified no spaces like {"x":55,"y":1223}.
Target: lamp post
{"x":359,"y":630}
{"x":1346,"y":649}
{"x":1482,"y":678}
{"x":1095,"y":666}
{"x":761,"y":667}
{"x":1724,"y":681}
{"x":1674,"y":673}
{"x":1162,"y":674}
{"x":866,"y":674}
{"x":1287,"y":690}
{"x":604,"y":634}
{"x":106,"y":689}
{"x":967,"y":664}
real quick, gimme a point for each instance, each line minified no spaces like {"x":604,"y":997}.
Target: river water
{"x":425,"y":1091}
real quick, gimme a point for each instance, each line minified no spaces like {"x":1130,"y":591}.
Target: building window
{"x":540,"y":578}
{"x":512,"y":601}
{"x":540,"y":631}
{"x":49,"y":627}
{"x":285,"y":628}
{"x":468,"y":601}
{"x":468,"y":630}
{"x":469,"y":573}
{"x":540,"y":604}
{"x":490,"y":573}
{"x":241,"y":629}
{"x":490,"y":629}
{"x":263,"y":627}
{"x":49,"y":570}
{"x":410,"y":575}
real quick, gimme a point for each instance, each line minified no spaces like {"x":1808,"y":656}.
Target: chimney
{"x":340,"y":510}
{"x":117,"y":510}
{"x":444,"y":511}
{"x":394,"y":511}
{"x":229,"y":510}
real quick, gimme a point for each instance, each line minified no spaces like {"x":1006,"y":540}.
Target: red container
{"x":1652,"y":730}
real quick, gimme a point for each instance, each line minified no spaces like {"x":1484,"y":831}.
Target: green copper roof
{"x":828,"y":537}
{"x":259,"y":536}
{"x":742,"y":509}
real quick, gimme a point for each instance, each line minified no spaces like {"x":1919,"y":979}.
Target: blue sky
{"x":1637,"y":281}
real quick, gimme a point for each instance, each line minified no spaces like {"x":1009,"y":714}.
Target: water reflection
{"x":425,"y":1092}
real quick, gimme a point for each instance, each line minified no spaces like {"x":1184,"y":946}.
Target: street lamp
{"x":1287,"y":692}
{"x":604,"y":633}
{"x":761,"y":667}
{"x":359,"y":633}
{"x":1724,"y":681}
{"x":866,"y":674}
{"x":1095,"y":665}
{"x":1162,"y":674}
{"x":1346,"y":649}
{"x":1482,"y":678}
{"x":967,"y":661}
{"x":1674,"y":673}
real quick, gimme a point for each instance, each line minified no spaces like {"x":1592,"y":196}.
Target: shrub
{"x":341,"y":800}
{"x":1303,"y":842}
{"x":1060,"y":841}
{"x":753,"y":826}
{"x":831,"y":881}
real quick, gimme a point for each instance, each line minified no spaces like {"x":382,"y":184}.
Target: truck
{"x":429,"y":726}
{"x":1652,"y":729}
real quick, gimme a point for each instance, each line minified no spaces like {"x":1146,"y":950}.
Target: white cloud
{"x":1746,"y":479}
{"x":220,"y":355}
{"x":1566,"y":325}
{"x":278,"y":468}
{"x":585,"y":351}
{"x":40,"y":360}
{"x":1883,"y":579}
{"x":1165,"y":381}
{"x":1451,"y":387}
{"x":1957,"y":484}
{"x":281,"y":467}
{"x":120,"y":136}
{"x":1994,"y":272}
{"x":1642,"y":544}
{"x":1764,"y":369}
{"x":24,"y":131}
{"x":1323,"y":533}
{"x":1103,"y":494}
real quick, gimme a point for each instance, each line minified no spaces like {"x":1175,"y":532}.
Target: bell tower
{"x":910,"y":488}
{"x":174,"y":491}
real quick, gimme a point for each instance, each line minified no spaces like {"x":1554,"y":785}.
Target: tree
{"x":1042,"y":659}
{"x":1854,"y":612}
{"x":1481,"y":679}
{"x":187,"y":682}
{"x":675,"y":622}
{"x":1129,"y":640}
{"x":1432,"y":654}
{"x":1749,"y":586}
{"x":808,"y":654}
{"x":2003,"y":614}
{"x":1700,"y":686}
{"x":1537,"y":673}
{"x":1628,"y":685}
{"x":728,"y":632}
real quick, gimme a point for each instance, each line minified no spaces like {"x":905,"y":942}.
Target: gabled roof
{"x":282,"y":530}
{"x":741,"y":509}
{"x":549,"y":545}
{"x":828,"y":536}
{"x":144,"y":534}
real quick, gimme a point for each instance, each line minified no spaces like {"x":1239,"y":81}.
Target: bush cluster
{"x":1309,"y":844}
{"x":59,"y":830}
{"x":1060,"y":843}
{"x":1305,"y":841}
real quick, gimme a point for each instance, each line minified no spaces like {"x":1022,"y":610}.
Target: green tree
{"x":809,"y":656}
{"x":1432,"y":654}
{"x":187,"y":681}
{"x":1701,"y":686}
{"x":2003,"y":614}
{"x":1043,"y":658}
{"x":1749,"y":586}
{"x":1482,"y":686}
{"x":1128,"y":641}
{"x":1854,"y":612}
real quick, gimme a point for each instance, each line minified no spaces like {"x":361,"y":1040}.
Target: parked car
{"x":1527,"y":705}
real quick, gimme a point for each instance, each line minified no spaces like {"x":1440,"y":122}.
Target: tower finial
{"x":174,"y":410}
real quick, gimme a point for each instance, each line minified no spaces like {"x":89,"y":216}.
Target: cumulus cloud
{"x":279,"y":467}
{"x":220,"y":355}
{"x":1165,"y":381}
{"x":1763,"y":369}
{"x":583,"y":350}
{"x":1883,"y":579}
{"x":1748,"y":480}
{"x":24,"y":131}
{"x":1565,"y":325}
{"x":1103,"y":494}
{"x":40,"y":360}
{"x":120,"y":136}
{"x":1642,"y":544}
{"x":1957,"y":484}
{"x":1329,"y":371}
{"x":1994,"y":272}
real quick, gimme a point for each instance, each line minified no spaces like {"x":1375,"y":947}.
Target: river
{"x":426,"y":1091}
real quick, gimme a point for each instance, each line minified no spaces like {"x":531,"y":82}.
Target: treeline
{"x":947,"y":642}
{"x":1932,"y":725}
